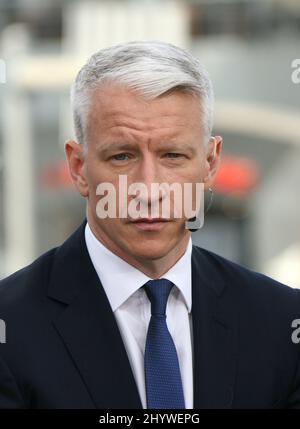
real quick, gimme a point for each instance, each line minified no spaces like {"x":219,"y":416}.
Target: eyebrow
{"x":109,"y":147}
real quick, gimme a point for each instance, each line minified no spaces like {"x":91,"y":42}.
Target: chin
{"x":151,"y":249}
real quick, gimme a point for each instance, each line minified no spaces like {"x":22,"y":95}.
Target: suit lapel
{"x":88,"y":327}
{"x":215,"y":325}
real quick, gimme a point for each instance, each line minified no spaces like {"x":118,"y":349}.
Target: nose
{"x":149,"y":173}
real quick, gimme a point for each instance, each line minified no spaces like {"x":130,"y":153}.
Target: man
{"x":126,"y":313}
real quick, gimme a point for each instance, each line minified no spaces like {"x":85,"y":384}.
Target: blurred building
{"x":248,"y":48}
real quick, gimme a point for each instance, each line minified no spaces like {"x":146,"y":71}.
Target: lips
{"x":150,"y":220}
{"x":148,"y":224}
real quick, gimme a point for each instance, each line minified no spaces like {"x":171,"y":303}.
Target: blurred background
{"x":247,"y":46}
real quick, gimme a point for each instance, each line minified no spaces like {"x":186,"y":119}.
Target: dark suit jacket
{"x":64,"y":350}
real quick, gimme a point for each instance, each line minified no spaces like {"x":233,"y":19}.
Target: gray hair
{"x":151,"y":68}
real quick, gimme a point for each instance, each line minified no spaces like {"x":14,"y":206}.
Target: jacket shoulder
{"x":27,"y":282}
{"x":245,"y":280}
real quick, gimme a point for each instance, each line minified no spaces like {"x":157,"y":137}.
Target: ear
{"x":76,"y":158}
{"x":213,"y":157}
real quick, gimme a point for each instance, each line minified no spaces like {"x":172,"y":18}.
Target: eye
{"x":174,"y":155}
{"x":120,"y":157}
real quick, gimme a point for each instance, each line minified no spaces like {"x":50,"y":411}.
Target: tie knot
{"x":158,"y":293}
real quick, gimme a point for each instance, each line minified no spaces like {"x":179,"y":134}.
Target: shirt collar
{"x":120,"y":280}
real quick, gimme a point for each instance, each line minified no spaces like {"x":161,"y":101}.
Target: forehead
{"x":115,"y":108}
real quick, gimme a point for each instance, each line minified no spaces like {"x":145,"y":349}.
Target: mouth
{"x":150,"y":224}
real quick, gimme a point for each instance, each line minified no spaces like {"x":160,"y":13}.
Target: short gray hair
{"x":152,"y":68}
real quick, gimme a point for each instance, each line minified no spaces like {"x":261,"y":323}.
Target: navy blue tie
{"x":162,"y":373}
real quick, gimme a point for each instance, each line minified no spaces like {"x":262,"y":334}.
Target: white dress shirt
{"x":132,"y":309}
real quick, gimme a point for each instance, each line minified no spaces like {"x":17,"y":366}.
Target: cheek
{"x":96,"y":174}
{"x":192,"y":174}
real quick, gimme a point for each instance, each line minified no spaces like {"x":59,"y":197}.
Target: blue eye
{"x":118,"y":156}
{"x":174,"y":155}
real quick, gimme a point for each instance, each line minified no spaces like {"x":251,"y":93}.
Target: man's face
{"x":149,"y":142}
